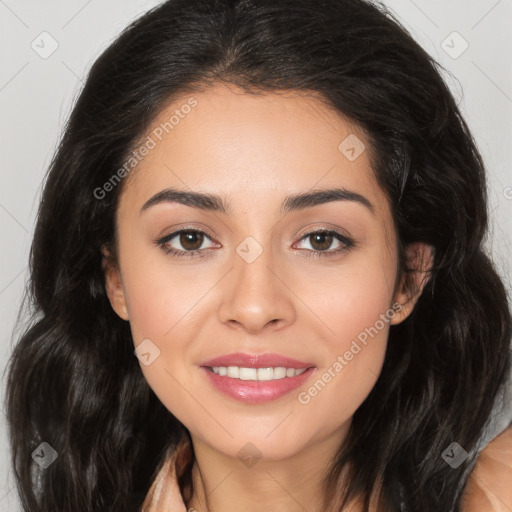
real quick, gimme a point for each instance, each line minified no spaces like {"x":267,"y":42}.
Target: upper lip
{"x":244,"y":360}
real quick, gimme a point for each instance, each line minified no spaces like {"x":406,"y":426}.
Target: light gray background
{"x":36,"y":95}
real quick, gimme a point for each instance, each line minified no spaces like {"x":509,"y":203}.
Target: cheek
{"x":355,"y":305}
{"x":161,"y":309}
{"x":163,"y":302}
{"x":348,"y":299}
{"x":160,"y":294}
{"x":363,"y":310}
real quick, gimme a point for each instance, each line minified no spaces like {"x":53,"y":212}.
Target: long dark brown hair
{"x":74,"y":381}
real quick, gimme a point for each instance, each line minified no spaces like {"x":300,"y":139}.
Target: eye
{"x":321,"y":240}
{"x":190,"y":240}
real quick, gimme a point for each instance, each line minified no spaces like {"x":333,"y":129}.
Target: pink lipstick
{"x":256,"y":378}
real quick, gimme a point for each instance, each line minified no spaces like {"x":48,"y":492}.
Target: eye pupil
{"x":191,"y":236}
{"x":321,"y":236}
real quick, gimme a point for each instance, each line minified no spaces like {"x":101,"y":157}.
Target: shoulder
{"x":489,"y":487}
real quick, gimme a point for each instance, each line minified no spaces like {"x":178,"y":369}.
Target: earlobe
{"x":420,"y":259}
{"x":113,"y":284}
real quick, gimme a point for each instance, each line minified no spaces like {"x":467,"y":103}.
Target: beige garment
{"x":489,"y":487}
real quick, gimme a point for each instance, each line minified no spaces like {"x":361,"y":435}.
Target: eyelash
{"x":348,"y":244}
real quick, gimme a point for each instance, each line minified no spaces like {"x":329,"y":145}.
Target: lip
{"x":256,"y":361}
{"x":254,"y":391}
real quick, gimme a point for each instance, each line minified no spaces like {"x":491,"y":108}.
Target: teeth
{"x":236,"y":372}
{"x":233,"y":372}
{"x":267,"y":373}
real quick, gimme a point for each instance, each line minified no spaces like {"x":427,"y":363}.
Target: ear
{"x":113,"y":283}
{"x":419,"y":259}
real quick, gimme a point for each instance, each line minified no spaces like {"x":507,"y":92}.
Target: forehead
{"x":253,"y":147}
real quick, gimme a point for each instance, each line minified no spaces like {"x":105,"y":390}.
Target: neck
{"x":293,"y":484}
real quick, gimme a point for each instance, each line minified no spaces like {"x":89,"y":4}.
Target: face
{"x":258,"y":270}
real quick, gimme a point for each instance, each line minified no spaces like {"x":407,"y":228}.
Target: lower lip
{"x":256,"y":391}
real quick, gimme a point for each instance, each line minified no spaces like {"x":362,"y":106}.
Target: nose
{"x":257,"y":296}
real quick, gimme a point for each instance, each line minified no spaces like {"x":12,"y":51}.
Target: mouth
{"x":256,"y":378}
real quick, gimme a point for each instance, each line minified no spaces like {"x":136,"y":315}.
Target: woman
{"x":285,"y":222}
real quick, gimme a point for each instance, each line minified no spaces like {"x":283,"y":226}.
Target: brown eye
{"x":185,"y":242}
{"x":321,"y":241}
{"x":191,"y":240}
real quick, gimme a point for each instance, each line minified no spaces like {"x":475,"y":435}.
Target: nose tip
{"x":254,"y":297}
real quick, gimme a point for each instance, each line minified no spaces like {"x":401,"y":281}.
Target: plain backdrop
{"x":472,"y":39}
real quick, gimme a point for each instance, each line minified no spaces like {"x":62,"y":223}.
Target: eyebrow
{"x":294,"y":202}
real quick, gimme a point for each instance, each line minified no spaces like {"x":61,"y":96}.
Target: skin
{"x":488,"y":488}
{"x":253,"y":151}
